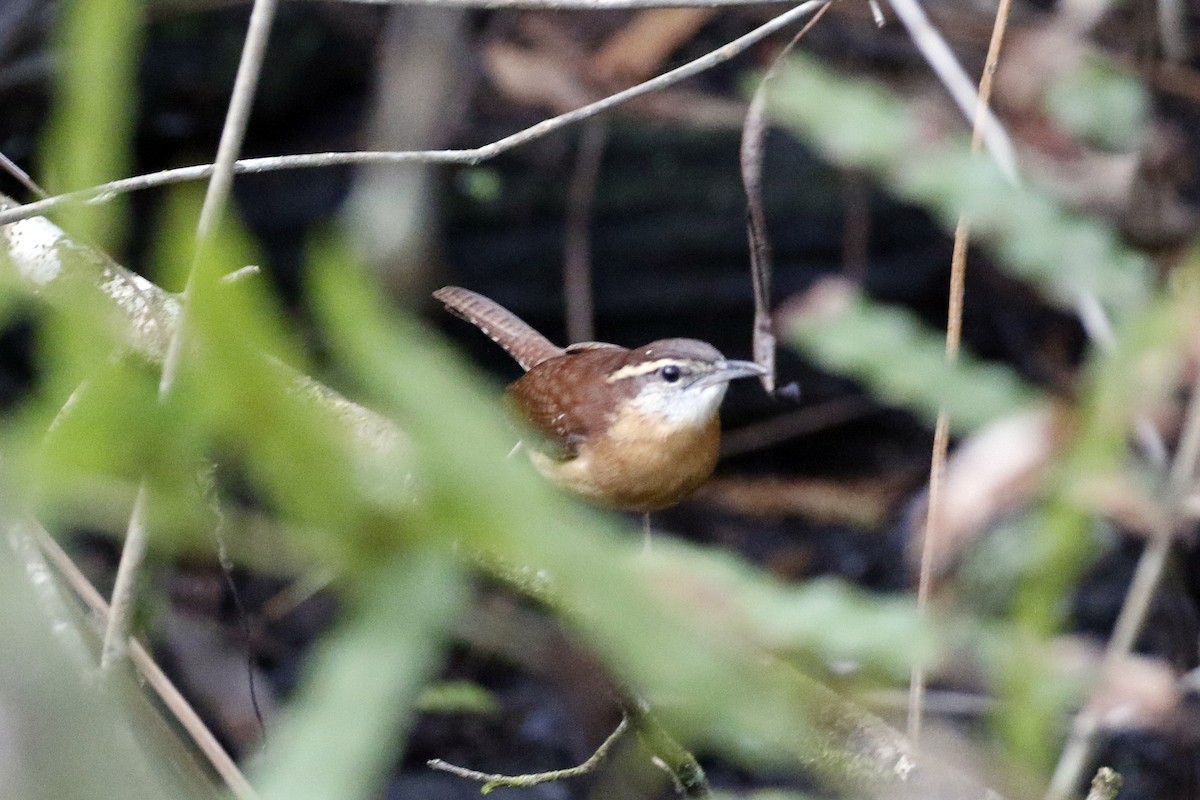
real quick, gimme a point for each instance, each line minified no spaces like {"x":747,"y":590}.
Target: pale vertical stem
{"x":221,"y":183}
{"x":116,"y":633}
{"x":171,"y":697}
{"x":937,"y":470}
{"x":941,"y":436}
{"x":577,"y":244}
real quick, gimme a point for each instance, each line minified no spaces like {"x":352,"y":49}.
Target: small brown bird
{"x":633,"y":430}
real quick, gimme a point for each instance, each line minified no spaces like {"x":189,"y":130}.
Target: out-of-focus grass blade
{"x":88,"y":140}
{"x":856,"y":123}
{"x":900,"y":359}
{"x":340,"y":735}
{"x":66,"y":737}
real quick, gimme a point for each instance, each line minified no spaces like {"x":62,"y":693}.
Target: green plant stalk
{"x":339,"y":736}
{"x":90,"y":133}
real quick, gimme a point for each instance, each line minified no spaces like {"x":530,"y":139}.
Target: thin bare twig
{"x":245,"y":86}
{"x":133,"y":553}
{"x":577,"y":240}
{"x":944,"y":63}
{"x":750,"y":157}
{"x":22,"y":177}
{"x":145,"y":665}
{"x":492,"y":781}
{"x":954,"y":315}
{"x":233,"y":132}
{"x":468,"y":156}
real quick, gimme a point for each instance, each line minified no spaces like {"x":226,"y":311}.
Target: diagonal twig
{"x":143,"y":662}
{"x":942,"y":60}
{"x":134,"y":549}
{"x":492,"y":781}
{"x":473,"y":155}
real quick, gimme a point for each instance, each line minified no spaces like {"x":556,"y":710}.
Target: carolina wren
{"x":634,"y":430}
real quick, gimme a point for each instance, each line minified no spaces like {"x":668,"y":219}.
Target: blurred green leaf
{"x":457,"y":697}
{"x":340,"y":735}
{"x":1065,"y":254}
{"x":68,"y":736}
{"x":89,"y":135}
{"x":902,"y":361}
{"x":1096,"y":102}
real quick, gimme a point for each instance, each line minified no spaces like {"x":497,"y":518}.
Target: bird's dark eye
{"x":670,"y":373}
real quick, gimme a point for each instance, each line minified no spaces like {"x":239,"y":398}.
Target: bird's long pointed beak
{"x":729,"y":370}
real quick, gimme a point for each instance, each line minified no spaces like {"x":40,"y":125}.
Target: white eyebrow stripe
{"x":645,"y":368}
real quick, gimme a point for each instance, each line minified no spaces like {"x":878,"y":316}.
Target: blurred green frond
{"x":902,"y":360}
{"x":457,"y":697}
{"x":89,"y":138}
{"x":343,"y":730}
{"x":858,"y":124}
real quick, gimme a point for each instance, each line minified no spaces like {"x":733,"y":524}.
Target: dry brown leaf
{"x":991,"y":473}
{"x":635,"y":52}
{"x":1137,"y":692}
{"x":535,"y":77}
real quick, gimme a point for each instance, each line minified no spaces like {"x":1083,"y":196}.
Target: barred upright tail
{"x":528,"y":347}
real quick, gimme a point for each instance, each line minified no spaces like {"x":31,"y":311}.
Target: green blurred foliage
{"x":718,"y":648}
{"x":904,"y":362}
{"x":237,"y":404}
{"x":457,"y":697}
{"x":1070,"y":258}
{"x":1064,"y":253}
{"x":90,"y":134}
{"x":1099,"y":103}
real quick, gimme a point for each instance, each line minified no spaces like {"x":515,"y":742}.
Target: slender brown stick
{"x":941,"y":434}
{"x":492,"y":780}
{"x":134,"y":549}
{"x":149,"y":670}
{"x":577,"y":241}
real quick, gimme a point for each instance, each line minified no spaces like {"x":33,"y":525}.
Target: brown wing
{"x":558,"y":398}
{"x":503,"y":327}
